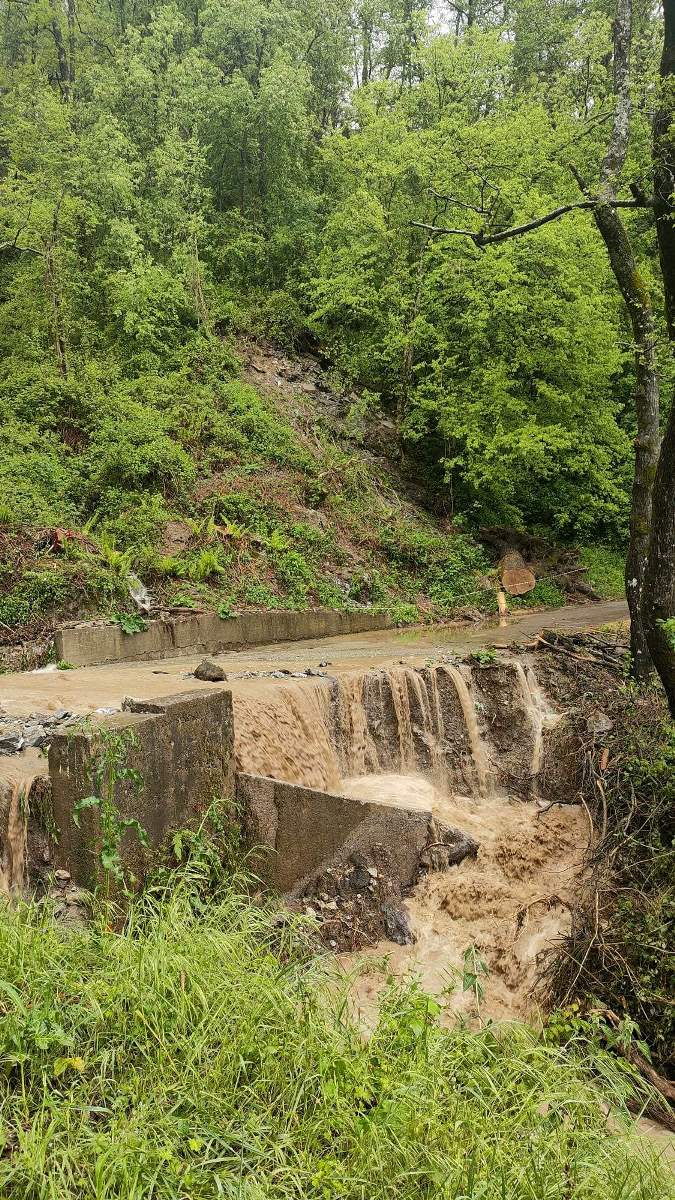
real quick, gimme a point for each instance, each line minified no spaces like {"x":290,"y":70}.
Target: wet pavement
{"x":87,"y":689}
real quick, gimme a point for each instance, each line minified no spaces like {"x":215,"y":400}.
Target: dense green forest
{"x":179,"y":177}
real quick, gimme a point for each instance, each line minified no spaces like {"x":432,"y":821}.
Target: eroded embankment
{"x":474,"y":746}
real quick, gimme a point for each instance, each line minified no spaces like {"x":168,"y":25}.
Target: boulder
{"x":210,"y":671}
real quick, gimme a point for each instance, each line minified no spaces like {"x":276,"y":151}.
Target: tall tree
{"x":635,"y":292}
{"x":605,"y":205}
{"x":659,"y":590}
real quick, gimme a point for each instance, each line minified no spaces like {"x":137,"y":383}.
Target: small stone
{"x":62,"y":876}
{"x":599,"y":722}
{"x":36,"y":736}
{"x":397,"y":926}
{"x":359,"y":879}
{"x":373,"y":872}
{"x":11,"y":743}
{"x":210,"y":671}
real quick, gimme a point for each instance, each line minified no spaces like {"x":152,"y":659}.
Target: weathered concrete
{"x":87,"y":645}
{"x":183,"y":750}
{"x":302,"y":832}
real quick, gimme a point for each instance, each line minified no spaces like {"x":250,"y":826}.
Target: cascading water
{"x":398,"y":720}
{"x":479,"y":754}
{"x":15,"y":788}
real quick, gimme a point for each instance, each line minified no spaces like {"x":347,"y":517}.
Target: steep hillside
{"x":231,"y":482}
{"x":220,"y":494}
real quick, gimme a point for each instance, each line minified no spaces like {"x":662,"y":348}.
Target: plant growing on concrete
{"x":110,"y":767}
{"x":130,"y":623}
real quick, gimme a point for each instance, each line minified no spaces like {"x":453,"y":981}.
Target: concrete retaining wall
{"x":302,"y":832}
{"x":184,"y":754}
{"x":87,"y":645}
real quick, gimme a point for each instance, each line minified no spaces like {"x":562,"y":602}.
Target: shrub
{"x":295,"y":574}
{"x":130,"y":450}
{"x":606,"y":568}
{"x":260,"y":594}
{"x":34,"y":595}
{"x":37,"y":478}
{"x":545,"y":592}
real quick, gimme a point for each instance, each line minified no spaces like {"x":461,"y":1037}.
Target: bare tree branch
{"x":481,"y":238}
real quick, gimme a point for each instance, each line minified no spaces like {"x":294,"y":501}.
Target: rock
{"x":599,"y":722}
{"x":359,"y":879}
{"x":210,"y":671}
{"x":397,"y":925}
{"x":36,"y":736}
{"x":62,"y":877}
{"x":11,"y":743}
{"x":176,"y":538}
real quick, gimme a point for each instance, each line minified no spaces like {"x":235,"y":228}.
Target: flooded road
{"x":85,"y":689}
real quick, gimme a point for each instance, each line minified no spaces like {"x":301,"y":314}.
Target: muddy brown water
{"x":509,"y":904}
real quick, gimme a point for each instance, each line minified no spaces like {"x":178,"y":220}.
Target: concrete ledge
{"x":301,"y":832}
{"x":89,"y":645}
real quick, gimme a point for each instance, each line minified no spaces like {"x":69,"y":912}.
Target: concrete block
{"x":87,"y":645}
{"x":183,"y":752}
{"x":300,"y":831}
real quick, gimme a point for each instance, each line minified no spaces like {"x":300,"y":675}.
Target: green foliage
{"x":109,"y":766}
{"x":295,"y":574}
{"x":130,"y":623}
{"x":668,"y":627}
{"x":606,"y":568}
{"x":269,"y":173}
{"x":404,"y":614}
{"x":626,"y":966}
{"x":485,"y":657}
{"x":34,"y":595}
{"x":218,"y":1057}
{"x":260,"y":595}
{"x":203,"y":566}
{"x":545,"y":592}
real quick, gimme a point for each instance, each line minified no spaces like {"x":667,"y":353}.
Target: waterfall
{"x":479,"y":753}
{"x":317,"y":732}
{"x":15,"y":789}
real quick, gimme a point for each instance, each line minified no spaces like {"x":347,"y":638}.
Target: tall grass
{"x":205,"y":1053}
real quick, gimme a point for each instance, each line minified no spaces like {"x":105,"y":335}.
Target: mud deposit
{"x":510,"y":903}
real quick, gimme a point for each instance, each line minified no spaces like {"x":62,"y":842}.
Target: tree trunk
{"x":636,"y":296}
{"x":646,"y":399}
{"x":658,"y":601}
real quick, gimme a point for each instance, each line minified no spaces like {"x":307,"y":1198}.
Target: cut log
{"x":516,"y":577}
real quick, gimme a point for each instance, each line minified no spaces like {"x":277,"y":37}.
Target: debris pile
{"x":360,"y":901}
{"x":35,"y":731}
